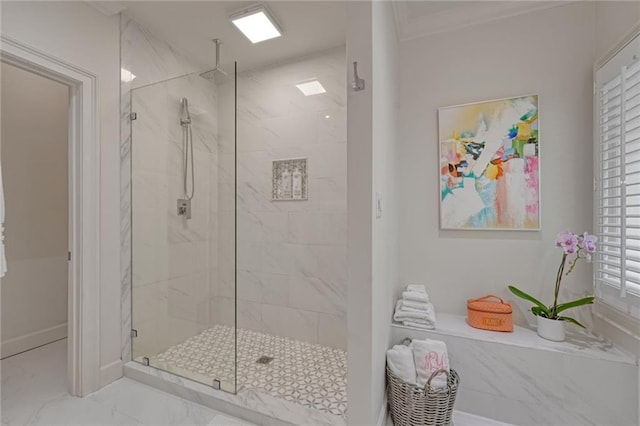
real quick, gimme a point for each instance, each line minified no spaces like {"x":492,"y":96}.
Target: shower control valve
{"x":184,"y":208}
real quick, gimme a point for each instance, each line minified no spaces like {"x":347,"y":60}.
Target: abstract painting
{"x":489,"y":168}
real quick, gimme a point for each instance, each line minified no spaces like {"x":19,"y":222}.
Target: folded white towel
{"x":428,"y":316}
{"x":419,"y":321}
{"x":410,"y":304}
{"x":416,"y":296}
{"x":401,"y":362}
{"x":414,"y":310}
{"x":418,"y":324}
{"x":430,"y":355}
{"x":417,"y":287}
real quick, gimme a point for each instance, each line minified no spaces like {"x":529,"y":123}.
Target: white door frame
{"x":83,"y":366}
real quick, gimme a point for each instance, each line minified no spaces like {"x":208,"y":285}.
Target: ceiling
{"x":416,"y":19}
{"x":308,"y":26}
{"x":189,"y":26}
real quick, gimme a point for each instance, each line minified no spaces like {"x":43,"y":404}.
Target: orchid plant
{"x":574,"y":247}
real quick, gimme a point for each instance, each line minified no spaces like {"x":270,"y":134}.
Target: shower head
{"x":185,"y":116}
{"x":211,"y":74}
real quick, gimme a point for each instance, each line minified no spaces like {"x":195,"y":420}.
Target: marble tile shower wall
{"x":291,"y":254}
{"x":174,"y":260}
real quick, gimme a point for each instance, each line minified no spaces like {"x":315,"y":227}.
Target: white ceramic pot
{"x":550,"y":329}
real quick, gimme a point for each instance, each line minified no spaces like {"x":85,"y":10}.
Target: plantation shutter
{"x":617,"y":215}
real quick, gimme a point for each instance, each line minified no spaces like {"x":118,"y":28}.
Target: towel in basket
{"x":411,"y":405}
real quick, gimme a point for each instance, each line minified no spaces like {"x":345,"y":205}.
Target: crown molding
{"x":461,"y":15}
{"x":107,"y":8}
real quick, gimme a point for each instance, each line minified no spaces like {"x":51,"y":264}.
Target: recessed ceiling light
{"x":126,"y":76}
{"x":256,"y":24}
{"x":311,"y":88}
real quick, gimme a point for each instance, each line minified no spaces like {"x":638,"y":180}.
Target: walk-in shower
{"x":248,"y":295}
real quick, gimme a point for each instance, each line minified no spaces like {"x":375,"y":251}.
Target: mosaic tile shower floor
{"x":308,"y":374}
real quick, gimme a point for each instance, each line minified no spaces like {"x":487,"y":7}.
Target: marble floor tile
{"x":308,"y":374}
{"x":224,"y":420}
{"x":461,"y":418}
{"x":465,"y":419}
{"x":34,"y":392}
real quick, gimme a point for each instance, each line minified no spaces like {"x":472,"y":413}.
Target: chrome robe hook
{"x":357,"y":83}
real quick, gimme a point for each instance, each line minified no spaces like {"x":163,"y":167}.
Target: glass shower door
{"x":183,"y":227}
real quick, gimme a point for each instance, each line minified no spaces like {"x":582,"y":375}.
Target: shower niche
{"x":289,"y":180}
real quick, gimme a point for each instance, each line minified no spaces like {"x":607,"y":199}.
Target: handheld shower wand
{"x":184,"y":204}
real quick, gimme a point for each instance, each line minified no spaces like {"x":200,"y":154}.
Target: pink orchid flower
{"x":589,"y":242}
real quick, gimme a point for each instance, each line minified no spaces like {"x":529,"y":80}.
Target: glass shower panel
{"x":183,"y":227}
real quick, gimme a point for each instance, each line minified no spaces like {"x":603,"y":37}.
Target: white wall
{"x":489,"y":62}
{"x":385,"y":87}
{"x":372,"y":168}
{"x":34,"y":153}
{"x":359,"y":219}
{"x":550,"y":53}
{"x":78,"y":34}
{"x":613,"y":21}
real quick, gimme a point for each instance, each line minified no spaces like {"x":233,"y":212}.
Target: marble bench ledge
{"x":579,"y":344}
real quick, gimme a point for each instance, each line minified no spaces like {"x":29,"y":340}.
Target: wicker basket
{"x":413,"y":406}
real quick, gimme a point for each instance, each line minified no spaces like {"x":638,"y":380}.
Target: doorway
{"x":84,"y":192}
{"x":34,"y":152}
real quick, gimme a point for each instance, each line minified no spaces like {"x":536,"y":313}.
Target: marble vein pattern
{"x":308,"y":374}
{"x":34,"y":392}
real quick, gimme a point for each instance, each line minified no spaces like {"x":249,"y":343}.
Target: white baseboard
{"x":382,"y":415}
{"x":110,"y":372}
{"x":32,"y":340}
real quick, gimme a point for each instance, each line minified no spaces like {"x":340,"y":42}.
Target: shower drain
{"x":265,"y":359}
